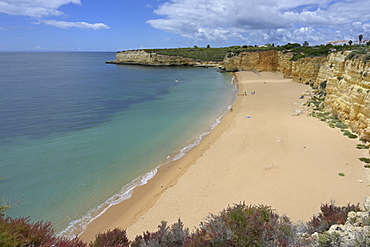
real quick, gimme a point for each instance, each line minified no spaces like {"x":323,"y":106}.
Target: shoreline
{"x":144,"y":196}
{"x":234,"y":164}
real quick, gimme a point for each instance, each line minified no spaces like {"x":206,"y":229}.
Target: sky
{"x":116,"y":25}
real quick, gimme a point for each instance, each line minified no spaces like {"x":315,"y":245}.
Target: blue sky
{"x":114,"y":25}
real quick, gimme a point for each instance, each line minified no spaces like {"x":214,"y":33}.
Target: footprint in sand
{"x":270,"y":167}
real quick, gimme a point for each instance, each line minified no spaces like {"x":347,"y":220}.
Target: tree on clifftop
{"x":360,"y":38}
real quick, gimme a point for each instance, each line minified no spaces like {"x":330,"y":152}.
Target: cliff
{"x":140,"y":57}
{"x":347,"y":91}
{"x":347,"y":82}
{"x":304,"y":70}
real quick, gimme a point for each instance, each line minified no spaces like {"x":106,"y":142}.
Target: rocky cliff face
{"x":140,"y":57}
{"x":347,"y":82}
{"x":347,"y":91}
{"x":252,"y":61}
{"x":304,"y":70}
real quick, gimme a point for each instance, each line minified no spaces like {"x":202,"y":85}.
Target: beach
{"x":258,"y":154}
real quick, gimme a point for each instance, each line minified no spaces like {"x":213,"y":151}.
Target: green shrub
{"x":351,"y":55}
{"x":296,"y":57}
{"x":243,"y":225}
{"x":362,"y":240}
{"x":364,"y":159}
{"x":323,"y":84}
{"x":341,"y":125}
{"x":362,"y":146}
{"x":329,"y":240}
{"x":349,"y":134}
{"x":366,"y":58}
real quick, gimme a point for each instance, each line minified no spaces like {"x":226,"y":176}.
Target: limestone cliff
{"x":304,"y":70}
{"x":140,"y":57}
{"x":252,"y":61}
{"x":347,"y":91}
{"x":347,"y":82}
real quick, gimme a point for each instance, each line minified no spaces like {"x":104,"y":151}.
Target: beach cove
{"x":258,"y":154}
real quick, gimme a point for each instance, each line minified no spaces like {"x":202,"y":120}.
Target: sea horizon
{"x":75,"y":129}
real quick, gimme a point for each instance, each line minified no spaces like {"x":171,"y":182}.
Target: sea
{"x":77,"y":135}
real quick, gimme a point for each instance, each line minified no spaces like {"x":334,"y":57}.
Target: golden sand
{"x":258,"y":154}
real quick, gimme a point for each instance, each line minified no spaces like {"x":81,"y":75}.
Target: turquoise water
{"x":77,"y":135}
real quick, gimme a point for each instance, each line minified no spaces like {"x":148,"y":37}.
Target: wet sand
{"x":258,"y":154}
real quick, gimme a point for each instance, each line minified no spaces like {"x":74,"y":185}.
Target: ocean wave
{"x":200,"y":137}
{"x":77,"y":227}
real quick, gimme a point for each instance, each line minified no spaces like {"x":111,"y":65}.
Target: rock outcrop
{"x":141,"y":57}
{"x":356,"y":230}
{"x":347,"y":82}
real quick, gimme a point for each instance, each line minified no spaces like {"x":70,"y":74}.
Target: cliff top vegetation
{"x":238,"y":225}
{"x":218,"y":54}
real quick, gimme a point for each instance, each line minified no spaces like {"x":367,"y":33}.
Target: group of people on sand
{"x":252,"y":93}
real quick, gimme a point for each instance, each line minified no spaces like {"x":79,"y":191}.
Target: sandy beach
{"x":258,"y":154}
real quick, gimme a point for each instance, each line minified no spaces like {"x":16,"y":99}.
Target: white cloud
{"x":39,"y":48}
{"x":264,"y":21}
{"x":80,"y":25}
{"x":34,"y":8}
{"x":43,"y":8}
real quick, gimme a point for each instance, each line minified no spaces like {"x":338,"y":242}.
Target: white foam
{"x":199,"y":138}
{"x":79,"y":226}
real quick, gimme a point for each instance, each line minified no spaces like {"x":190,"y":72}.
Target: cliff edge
{"x":141,"y":57}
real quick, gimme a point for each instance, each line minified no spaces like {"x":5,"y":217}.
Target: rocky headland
{"x":141,"y":57}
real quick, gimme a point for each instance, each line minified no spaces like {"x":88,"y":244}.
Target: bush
{"x":323,"y":84}
{"x":20,"y":232}
{"x":366,"y":58}
{"x":329,"y":240}
{"x":364,"y":159}
{"x":349,"y":134}
{"x":296,"y":57}
{"x":330,"y":215}
{"x":63,"y":242}
{"x":362,"y":146}
{"x":351,"y":55}
{"x":243,"y":225}
{"x":172,"y":236}
{"x":113,"y":238}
